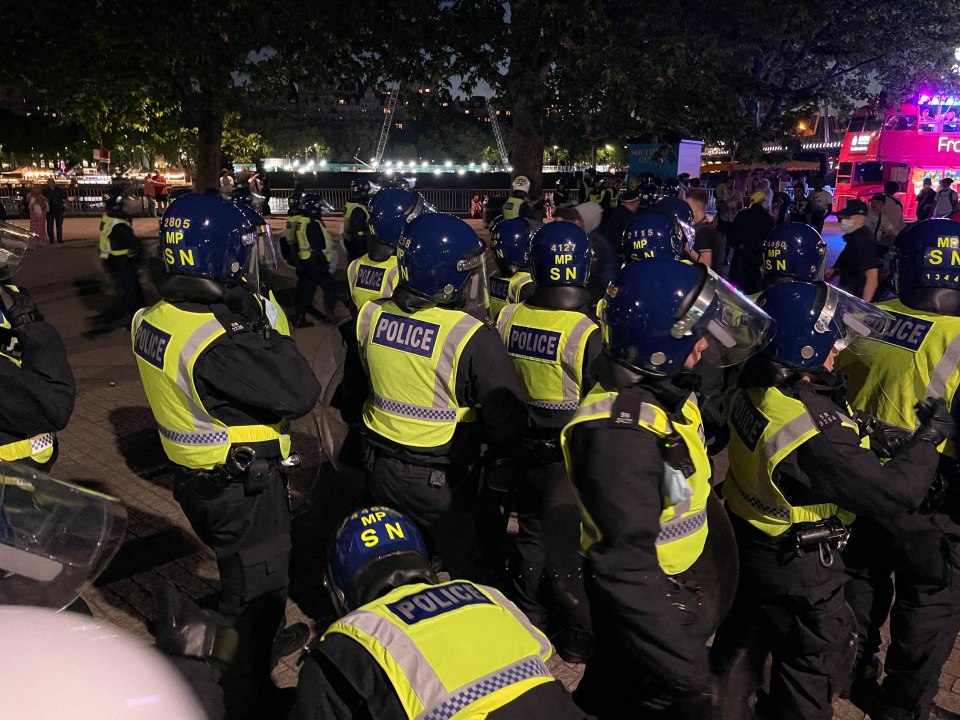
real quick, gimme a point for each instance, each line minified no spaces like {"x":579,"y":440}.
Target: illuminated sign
{"x":859,"y":143}
{"x":946,"y":144}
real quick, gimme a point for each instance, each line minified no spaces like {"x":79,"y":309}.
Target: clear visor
{"x":689,"y":235}
{"x":734,"y":327}
{"x":474,"y":294}
{"x":14,"y":242}
{"x":55,"y":538}
{"x":266,"y":248}
{"x":851,"y":318}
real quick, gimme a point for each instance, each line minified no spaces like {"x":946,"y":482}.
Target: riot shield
{"x":55,"y":538}
{"x":718,"y":568}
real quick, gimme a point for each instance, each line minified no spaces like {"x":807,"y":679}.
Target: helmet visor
{"x":689,"y":235}
{"x":734,"y":327}
{"x":55,"y":538}
{"x":474,"y":295}
{"x":14,"y":242}
{"x":852,"y":319}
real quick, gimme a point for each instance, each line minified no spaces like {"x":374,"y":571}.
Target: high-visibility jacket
{"x":452,"y":651}
{"x":766,"y":427}
{"x":504,"y":291}
{"x":547,"y":348}
{"x":107,"y":223}
{"x":918,"y":358}
{"x":304,"y":251}
{"x":411,"y":361}
{"x":293,"y":224}
{"x":683,"y":527}
{"x":167,"y":342}
{"x":371,"y":279}
{"x":348,"y":211}
{"x":511,"y":207}
{"x":38,"y":448}
{"x":614,"y":194}
{"x":274,"y":313}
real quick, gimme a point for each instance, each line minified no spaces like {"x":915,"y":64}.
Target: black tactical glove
{"x":886,"y":440}
{"x":184,"y":629}
{"x":936,"y":422}
{"x":18,"y":308}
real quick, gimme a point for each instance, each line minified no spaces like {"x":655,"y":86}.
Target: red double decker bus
{"x":911,"y":141}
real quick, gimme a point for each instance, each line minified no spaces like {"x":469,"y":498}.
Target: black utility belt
{"x":824,"y":536}
{"x":256,"y":473}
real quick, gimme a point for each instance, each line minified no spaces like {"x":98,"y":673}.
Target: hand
{"x":18,"y":308}
{"x":936,"y":422}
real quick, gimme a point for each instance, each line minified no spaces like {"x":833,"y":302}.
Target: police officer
{"x":375,"y":274}
{"x":622,"y":214}
{"x":799,"y":468}
{"x":653,"y":233}
{"x":356,"y":219}
{"x":440,"y":379}
{"x":511,"y":282}
{"x":918,"y":357}
{"x":561,"y":195}
{"x":635,"y":454}
{"x":314,"y":258}
{"x":552,"y":340}
{"x":288,"y":243}
{"x":119,"y":251}
{"x":792,"y":251}
{"x":37,"y":384}
{"x":389,"y":654}
{"x":516,"y":206}
{"x":222,"y":388}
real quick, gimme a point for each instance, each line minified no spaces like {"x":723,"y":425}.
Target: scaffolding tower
{"x":387,"y":122}
{"x":497,"y":134}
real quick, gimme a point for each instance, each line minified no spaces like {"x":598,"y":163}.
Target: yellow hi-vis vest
{"x":767,"y":426}
{"x":918,"y":358}
{"x":348,"y":211}
{"x":293,"y":224}
{"x":511,"y":207}
{"x":274,"y":313}
{"x":614,"y":194}
{"x":411,"y":361}
{"x":504,"y":291}
{"x":683,"y":527}
{"x":452,"y":651}
{"x":547,"y":349}
{"x":304,"y":251}
{"x":107,"y":224}
{"x":167,"y":343}
{"x":371,"y":280}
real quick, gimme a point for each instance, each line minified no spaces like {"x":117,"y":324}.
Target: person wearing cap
{"x":857,"y":268}
{"x":517,"y":204}
{"x":946,"y":199}
{"x":621,"y":215}
{"x":407,"y":645}
{"x":746,"y":237}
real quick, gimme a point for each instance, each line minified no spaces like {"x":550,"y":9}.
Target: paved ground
{"x":111,"y":444}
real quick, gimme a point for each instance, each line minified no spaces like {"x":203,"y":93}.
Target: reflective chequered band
{"x":462,"y":698}
{"x":217,"y":437}
{"x":546,"y":405}
{"x":417,"y":412}
{"x":757,"y":504}
{"x":681,"y":527}
{"x":30,"y":447}
{"x":39,"y":443}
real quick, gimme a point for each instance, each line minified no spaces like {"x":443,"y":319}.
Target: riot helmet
{"x":927,"y":266}
{"x":510,"y":242}
{"x":375,"y":550}
{"x":654,"y":233}
{"x":359,"y":191}
{"x":792,"y":251}
{"x":521,"y":183}
{"x":313,"y":206}
{"x":560,"y":256}
{"x":390,"y":211}
{"x":656,"y":313}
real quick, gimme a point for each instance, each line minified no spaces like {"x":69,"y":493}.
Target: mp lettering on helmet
{"x":533,"y":343}
{"x":947,"y":252}
{"x":773,"y":261}
{"x":437,"y":601}
{"x":569,"y":273}
{"x":151,"y":343}
{"x":905,"y":331}
{"x":371,"y":538}
{"x":406,"y":334}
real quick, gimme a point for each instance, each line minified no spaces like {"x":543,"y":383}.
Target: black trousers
{"x":125,"y":273}
{"x":547,"y":553}
{"x":665,"y":683}
{"x":312,"y":273}
{"x":250,"y":534}
{"x":795,"y":609}
{"x":924,"y":619}
{"x":54,"y":220}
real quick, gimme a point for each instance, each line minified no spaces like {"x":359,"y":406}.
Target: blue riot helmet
{"x":793,"y":251}
{"x":560,"y":255}
{"x":684,"y":214}
{"x":359,"y":191}
{"x":390,"y":211}
{"x":375,"y":550}
{"x":441,"y":259}
{"x":293,"y":204}
{"x":648,"y":194}
{"x":241,"y":196}
{"x":656,"y":312}
{"x":206,"y":236}
{"x":813,"y":319}
{"x":927,"y":266}
{"x":313,"y":206}
{"x":510,"y":242}
{"x":653,"y":233}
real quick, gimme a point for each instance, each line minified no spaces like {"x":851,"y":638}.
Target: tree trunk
{"x":209,"y":138}
{"x":526,"y":155}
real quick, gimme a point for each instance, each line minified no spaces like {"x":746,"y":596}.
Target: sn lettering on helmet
{"x":394,"y":531}
{"x":168,"y":257}
{"x":371,"y":518}
{"x":186,"y":257}
{"x":369,"y":538}
{"x":571,"y":273}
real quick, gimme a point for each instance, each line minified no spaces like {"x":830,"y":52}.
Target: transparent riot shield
{"x":55,"y":538}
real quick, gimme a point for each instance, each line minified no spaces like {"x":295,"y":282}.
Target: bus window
{"x":844,"y":171}
{"x":873,"y":124}
{"x":856,"y":124}
{"x":868,"y":172}
{"x":900,"y":122}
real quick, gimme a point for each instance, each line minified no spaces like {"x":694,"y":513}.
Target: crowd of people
{"x":586,"y":387}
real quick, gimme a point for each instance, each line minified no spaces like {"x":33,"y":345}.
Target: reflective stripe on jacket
{"x":107,"y":224}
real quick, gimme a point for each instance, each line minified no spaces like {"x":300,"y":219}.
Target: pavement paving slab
{"x":111,"y":445}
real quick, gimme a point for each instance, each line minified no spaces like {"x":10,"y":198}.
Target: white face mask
{"x":846,"y":224}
